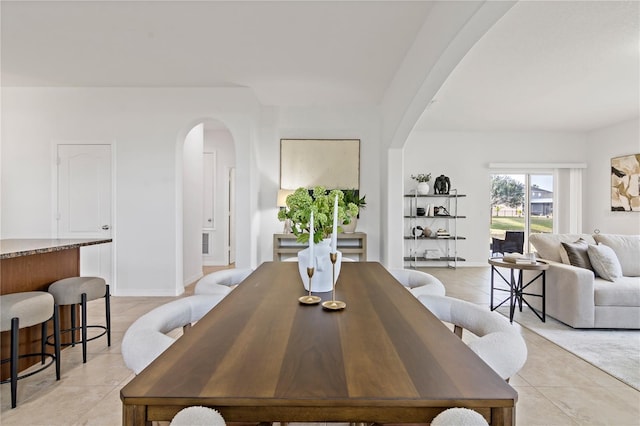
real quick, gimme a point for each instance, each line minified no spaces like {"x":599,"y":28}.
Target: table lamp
{"x":281,"y":202}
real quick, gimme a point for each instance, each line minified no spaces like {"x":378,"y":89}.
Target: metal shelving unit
{"x":414,"y":244}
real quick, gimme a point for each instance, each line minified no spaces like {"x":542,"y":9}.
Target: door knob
{"x":106,"y":227}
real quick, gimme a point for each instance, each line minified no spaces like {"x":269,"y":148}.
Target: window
{"x":521,"y":204}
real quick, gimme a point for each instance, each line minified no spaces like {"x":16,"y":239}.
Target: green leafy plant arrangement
{"x":351,"y":196}
{"x":300,"y":204}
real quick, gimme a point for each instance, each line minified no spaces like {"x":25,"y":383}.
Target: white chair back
{"x":221,"y":282}
{"x":499,"y":344}
{"x":146,"y":338}
{"x":418,"y":282}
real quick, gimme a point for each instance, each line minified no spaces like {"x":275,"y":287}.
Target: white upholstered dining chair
{"x":221,"y":282}
{"x":418,"y":282}
{"x":146,"y":338}
{"x":499,"y":344}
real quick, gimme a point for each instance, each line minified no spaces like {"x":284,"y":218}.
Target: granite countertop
{"x":26,"y":247}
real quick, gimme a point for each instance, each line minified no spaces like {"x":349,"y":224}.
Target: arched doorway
{"x":208,"y":167}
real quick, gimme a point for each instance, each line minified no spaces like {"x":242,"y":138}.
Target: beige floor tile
{"x":106,"y":413}
{"x":534,"y":409}
{"x":595,"y":405}
{"x":62,"y":406}
{"x":104,"y":370}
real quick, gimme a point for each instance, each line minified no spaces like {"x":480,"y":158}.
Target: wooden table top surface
{"x":260,"y":348}
{"x":538,"y":266}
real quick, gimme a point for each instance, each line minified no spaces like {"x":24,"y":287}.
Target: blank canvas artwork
{"x":625,"y":183}
{"x":332,"y":163}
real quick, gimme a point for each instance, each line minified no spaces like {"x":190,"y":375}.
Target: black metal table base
{"x":517,"y":292}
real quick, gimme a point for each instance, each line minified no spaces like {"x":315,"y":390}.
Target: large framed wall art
{"x":625,"y":183}
{"x":332,"y":163}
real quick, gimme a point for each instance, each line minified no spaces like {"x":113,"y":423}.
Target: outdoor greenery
{"x":514,"y":223}
{"x":506,"y":191}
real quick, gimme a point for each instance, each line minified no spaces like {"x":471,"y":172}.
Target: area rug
{"x":616,"y":352}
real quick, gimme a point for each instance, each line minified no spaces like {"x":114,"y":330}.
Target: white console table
{"x":353,"y":245}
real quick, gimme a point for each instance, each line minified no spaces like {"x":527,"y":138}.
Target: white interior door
{"x":232,"y":215}
{"x":84,"y":203}
{"x":208,"y":195}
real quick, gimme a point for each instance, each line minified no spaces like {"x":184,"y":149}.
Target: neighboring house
{"x":541,"y":201}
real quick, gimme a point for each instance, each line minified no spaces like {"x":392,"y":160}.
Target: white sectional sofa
{"x":580,"y":297}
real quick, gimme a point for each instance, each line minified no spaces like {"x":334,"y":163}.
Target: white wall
{"x":220,"y":142}
{"x":192,"y":205}
{"x":464,"y":157}
{"x":602,"y":145}
{"x":148,"y":127}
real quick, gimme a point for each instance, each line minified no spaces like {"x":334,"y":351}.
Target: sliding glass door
{"x":521,"y":204}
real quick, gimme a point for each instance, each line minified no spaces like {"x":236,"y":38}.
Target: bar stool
{"x":80,"y":290}
{"x":25,"y":309}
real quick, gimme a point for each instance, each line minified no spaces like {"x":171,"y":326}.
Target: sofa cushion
{"x":548,"y":245}
{"x":604,"y":262}
{"x":627,"y":248}
{"x":577,"y":254}
{"x":625,"y":291}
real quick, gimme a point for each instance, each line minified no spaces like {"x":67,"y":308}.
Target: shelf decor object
{"x":423,"y":186}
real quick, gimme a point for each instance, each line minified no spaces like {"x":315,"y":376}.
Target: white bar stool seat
{"x":26,"y":309}
{"x":80,"y":290}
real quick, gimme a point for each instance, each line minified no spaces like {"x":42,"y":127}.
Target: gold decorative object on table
{"x":333,"y":304}
{"x":309,"y":299}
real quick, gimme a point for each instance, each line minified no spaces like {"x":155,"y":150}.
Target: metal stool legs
{"x":15,"y":357}
{"x":84,"y":338}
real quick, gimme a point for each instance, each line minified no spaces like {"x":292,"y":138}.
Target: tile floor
{"x":554,"y":387}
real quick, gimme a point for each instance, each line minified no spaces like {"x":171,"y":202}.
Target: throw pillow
{"x":604,"y":262}
{"x":577,"y":254}
{"x":627,"y":249}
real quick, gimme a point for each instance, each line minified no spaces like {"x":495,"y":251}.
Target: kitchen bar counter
{"x":32,"y":265}
{"x":11,"y":248}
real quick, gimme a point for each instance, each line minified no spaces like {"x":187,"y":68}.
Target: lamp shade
{"x":282,"y":197}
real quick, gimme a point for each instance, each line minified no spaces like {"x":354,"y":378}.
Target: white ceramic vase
{"x":322,"y":281}
{"x":423,"y":188}
{"x":351,"y":226}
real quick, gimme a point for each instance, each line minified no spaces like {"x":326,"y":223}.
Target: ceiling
{"x":557,"y":66}
{"x":546,"y":66}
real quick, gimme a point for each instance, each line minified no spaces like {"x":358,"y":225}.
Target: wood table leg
{"x":503,"y":416}
{"x":134,"y":415}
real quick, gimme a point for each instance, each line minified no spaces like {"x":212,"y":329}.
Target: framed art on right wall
{"x":625,"y":183}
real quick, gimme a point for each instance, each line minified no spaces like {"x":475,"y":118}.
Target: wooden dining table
{"x":261,"y":356}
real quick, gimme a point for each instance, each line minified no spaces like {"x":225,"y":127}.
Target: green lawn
{"x":538,"y":224}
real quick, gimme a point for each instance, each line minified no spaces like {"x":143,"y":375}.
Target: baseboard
{"x":192,"y":279}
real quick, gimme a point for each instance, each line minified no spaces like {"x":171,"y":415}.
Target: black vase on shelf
{"x":420,"y":211}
